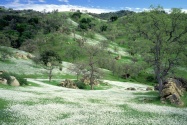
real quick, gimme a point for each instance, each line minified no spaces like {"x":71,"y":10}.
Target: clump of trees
{"x":19,"y":26}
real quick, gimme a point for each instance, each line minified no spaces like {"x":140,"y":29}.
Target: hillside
{"x":120,"y":56}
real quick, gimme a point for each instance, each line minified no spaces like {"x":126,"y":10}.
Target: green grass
{"x":102,"y":86}
{"x":63,"y":116}
{"x":181,"y":73}
{"x":137,"y":114}
{"x":148,"y":97}
{"x":52,"y":82}
{"x":147,"y":117}
{"x":98,"y":101}
{"x":110,"y":76}
{"x":184,"y":99}
{"x":45,"y":101}
{"x":5,"y":116}
{"x":3,"y":104}
{"x":152,"y":97}
{"x":6,"y":61}
{"x":33,"y":84}
{"x":6,"y":86}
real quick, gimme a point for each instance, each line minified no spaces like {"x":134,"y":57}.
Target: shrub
{"x":21,"y":80}
{"x":80,"y":85}
{"x":150,"y":79}
{"x":6,"y":76}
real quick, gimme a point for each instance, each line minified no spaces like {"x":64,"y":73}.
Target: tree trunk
{"x":92,"y":75}
{"x":92,"y":87}
{"x":160,"y":86}
{"x":77,"y":76}
{"x":50,"y":74}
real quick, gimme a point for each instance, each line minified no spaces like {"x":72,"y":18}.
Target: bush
{"x":150,"y":79}
{"x":6,"y":76}
{"x":80,"y":85}
{"x":21,"y":80}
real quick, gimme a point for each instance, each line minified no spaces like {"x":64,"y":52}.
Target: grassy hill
{"x":72,"y":45}
{"x":66,"y":33}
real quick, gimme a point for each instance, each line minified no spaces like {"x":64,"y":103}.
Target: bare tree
{"x":92,"y":53}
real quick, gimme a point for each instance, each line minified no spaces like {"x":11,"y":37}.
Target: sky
{"x":95,"y":6}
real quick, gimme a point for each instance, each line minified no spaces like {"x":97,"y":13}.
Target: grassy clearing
{"x":52,"y":82}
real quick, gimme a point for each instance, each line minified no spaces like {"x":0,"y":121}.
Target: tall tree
{"x":165,"y":34}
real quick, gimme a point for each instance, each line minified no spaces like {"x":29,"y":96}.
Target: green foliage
{"x":73,"y":53}
{"x":5,"y":53}
{"x":162,"y":36}
{"x":103,"y":28}
{"x":85,"y":24}
{"x":81,"y":85}
{"x":6,"y":76}
{"x":76,"y":15}
{"x":113,"y":18}
{"x":145,"y":78}
{"x":106,"y":16}
{"x":50,"y":56}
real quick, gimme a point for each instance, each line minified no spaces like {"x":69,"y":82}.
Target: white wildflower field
{"x":52,"y":105}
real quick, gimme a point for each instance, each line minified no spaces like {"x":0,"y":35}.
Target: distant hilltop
{"x":75,"y":10}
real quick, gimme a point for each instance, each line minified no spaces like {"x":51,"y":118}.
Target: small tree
{"x":92,"y":52}
{"x":50,"y":59}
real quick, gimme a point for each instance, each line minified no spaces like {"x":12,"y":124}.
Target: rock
{"x":3,"y":81}
{"x":24,"y":57}
{"x":172,"y":91}
{"x":118,"y":57}
{"x":131,"y":88}
{"x":1,"y":72}
{"x":14,"y":81}
{"x":68,"y":84}
{"x":30,"y":56}
{"x":20,"y":56}
{"x":149,"y":89}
